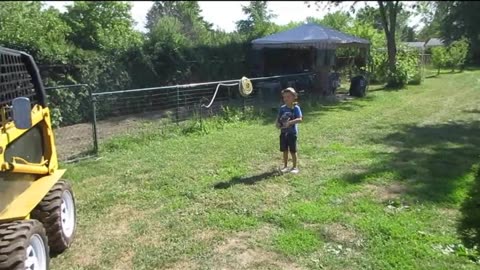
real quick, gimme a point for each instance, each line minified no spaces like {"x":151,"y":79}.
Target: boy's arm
{"x":295,"y":121}
{"x":298,"y":117}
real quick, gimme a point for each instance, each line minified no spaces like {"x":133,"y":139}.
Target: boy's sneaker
{"x":294,"y":170}
{"x":284,"y":169}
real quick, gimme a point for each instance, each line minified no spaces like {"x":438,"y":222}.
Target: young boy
{"x":289,"y":116}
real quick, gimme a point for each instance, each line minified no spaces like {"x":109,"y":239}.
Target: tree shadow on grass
{"x":432,"y":159}
{"x":378,"y":88}
{"x":247,"y":180}
{"x":469,"y":225}
{"x":472,"y":68}
{"x":472,"y":111}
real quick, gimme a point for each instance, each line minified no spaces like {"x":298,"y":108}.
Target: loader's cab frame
{"x":37,"y":207}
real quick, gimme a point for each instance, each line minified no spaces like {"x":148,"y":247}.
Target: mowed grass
{"x":386,"y":182}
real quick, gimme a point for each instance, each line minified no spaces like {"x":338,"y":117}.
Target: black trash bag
{"x":358,"y":86}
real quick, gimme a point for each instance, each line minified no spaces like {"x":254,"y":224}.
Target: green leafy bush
{"x":440,"y":58}
{"x":457,"y":52}
{"x":408,"y":68}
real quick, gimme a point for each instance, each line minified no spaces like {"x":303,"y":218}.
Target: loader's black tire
{"x":48,"y":212}
{"x":15,"y":238}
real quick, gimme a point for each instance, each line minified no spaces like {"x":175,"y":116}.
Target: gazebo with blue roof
{"x":320,"y":40}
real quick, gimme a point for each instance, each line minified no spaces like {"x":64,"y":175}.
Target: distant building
{"x":424,"y":45}
{"x":420,"y":45}
{"x":433,"y":42}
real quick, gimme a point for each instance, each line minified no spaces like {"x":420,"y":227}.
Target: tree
{"x":338,"y":20}
{"x":457,"y":52}
{"x":389,"y":11}
{"x":377,"y":40}
{"x":432,"y":13}
{"x":408,"y":34}
{"x":461,"y":19}
{"x":165,"y":49}
{"x":258,"y":22}
{"x":101,"y":25}
{"x":439,"y":58}
{"x":371,"y":15}
{"x":187,"y":12}
{"x":288,"y":26}
{"x":431,"y":30}
{"x":20,"y":29}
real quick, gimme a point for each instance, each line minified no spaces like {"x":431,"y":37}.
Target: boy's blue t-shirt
{"x":286,"y":114}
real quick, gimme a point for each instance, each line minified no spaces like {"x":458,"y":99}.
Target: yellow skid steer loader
{"x":37,"y":207}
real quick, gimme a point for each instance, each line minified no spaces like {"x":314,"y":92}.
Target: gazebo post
{"x":368,"y":68}
{"x":322,"y":71}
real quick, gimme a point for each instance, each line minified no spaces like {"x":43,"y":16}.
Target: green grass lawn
{"x":386,"y":182}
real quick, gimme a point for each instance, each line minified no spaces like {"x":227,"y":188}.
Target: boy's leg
{"x":292,"y":144}
{"x":294,"y":159}
{"x":285,"y":158}
{"x":284,"y":149}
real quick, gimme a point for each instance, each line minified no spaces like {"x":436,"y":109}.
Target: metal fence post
{"x":178,"y":101}
{"x":201,"y":116}
{"x":94,"y":120}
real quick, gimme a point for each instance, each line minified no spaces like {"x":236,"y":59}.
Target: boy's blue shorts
{"x":288,"y":142}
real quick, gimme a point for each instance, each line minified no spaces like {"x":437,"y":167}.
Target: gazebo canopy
{"x":310,"y":35}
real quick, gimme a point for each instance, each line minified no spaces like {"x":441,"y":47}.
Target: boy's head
{"x":289,"y":95}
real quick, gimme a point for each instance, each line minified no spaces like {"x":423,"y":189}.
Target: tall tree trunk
{"x":388,"y":11}
{"x":392,"y":51}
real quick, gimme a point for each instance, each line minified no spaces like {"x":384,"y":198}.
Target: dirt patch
{"x":118,"y":224}
{"x":388,"y":192}
{"x":264,"y":232}
{"x":382,"y":193}
{"x":87,"y":249}
{"x":182,"y":265}
{"x":237,"y":242}
{"x":339,"y":233}
{"x":449,"y":212}
{"x":77,"y":139}
{"x":83,"y":252}
{"x":274,"y":194}
{"x":205,"y":235}
{"x":239,"y":252}
{"x":126,"y":261}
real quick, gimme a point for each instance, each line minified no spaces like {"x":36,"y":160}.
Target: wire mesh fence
{"x":126,"y":112}
{"x":428,"y":67}
{"x":83,"y":119}
{"x":72,"y":119}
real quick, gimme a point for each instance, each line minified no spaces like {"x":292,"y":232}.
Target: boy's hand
{"x":293,"y":122}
